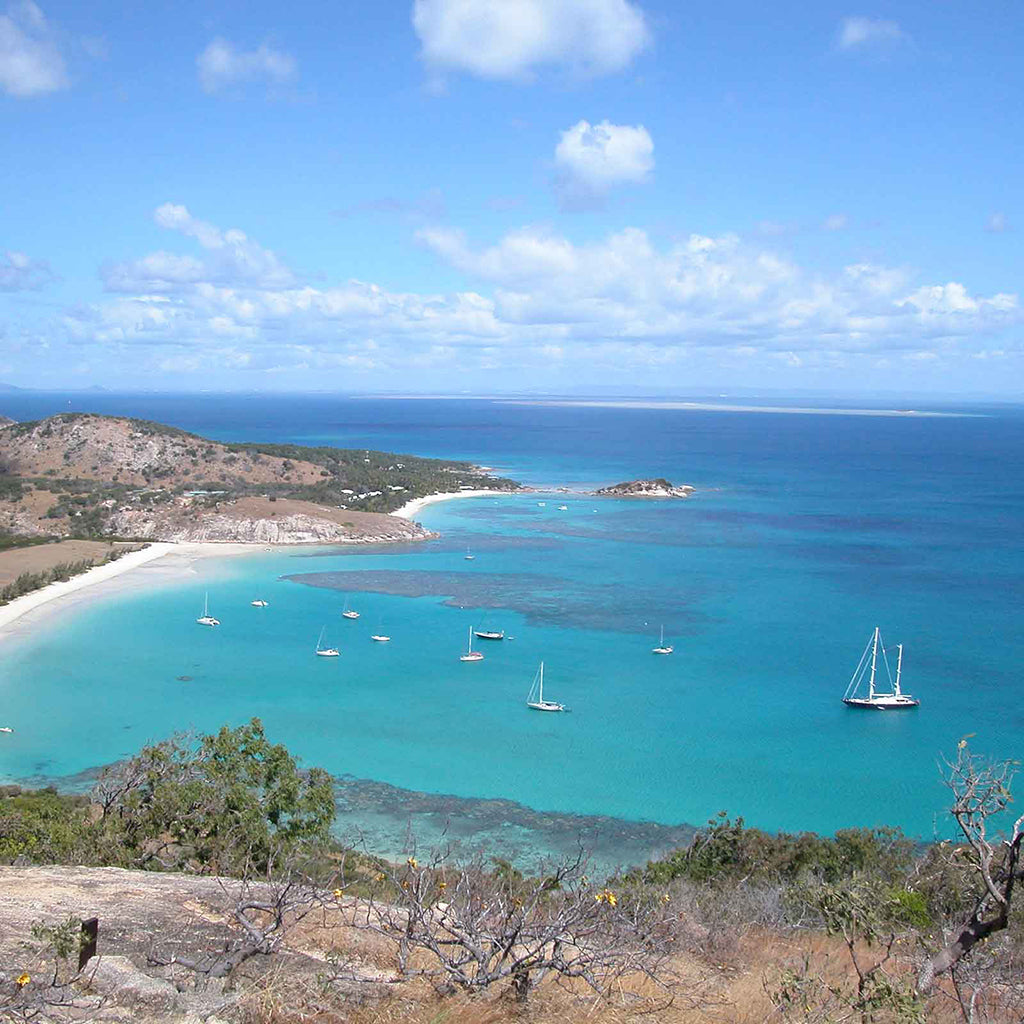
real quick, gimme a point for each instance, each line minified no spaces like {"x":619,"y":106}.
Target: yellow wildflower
{"x":23,"y":980}
{"x":666,"y":898}
{"x":412,"y":862}
{"x":442,"y":886}
{"x":607,"y":896}
{"x":381,"y":877}
{"x":338,"y":893}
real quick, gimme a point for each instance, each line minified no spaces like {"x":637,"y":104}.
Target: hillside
{"x":86,"y":475}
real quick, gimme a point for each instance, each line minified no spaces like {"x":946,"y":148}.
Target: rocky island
{"x":659,"y":487}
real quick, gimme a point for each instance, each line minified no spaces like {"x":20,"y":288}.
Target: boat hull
{"x":489,"y":636}
{"x":882,"y":703}
{"x":544,"y":705}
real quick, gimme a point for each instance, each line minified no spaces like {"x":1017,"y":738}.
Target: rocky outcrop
{"x":297,"y":528}
{"x":656,"y":488}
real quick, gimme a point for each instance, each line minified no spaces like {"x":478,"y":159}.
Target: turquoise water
{"x":806,"y":532}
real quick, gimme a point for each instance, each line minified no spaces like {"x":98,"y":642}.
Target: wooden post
{"x":87,"y":945}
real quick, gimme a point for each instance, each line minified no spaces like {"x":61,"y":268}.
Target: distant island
{"x":659,"y":487}
{"x":82,"y":475}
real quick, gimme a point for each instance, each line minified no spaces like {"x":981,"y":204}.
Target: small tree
{"x":227,"y":803}
{"x":467,"y":928}
{"x":981,"y":793}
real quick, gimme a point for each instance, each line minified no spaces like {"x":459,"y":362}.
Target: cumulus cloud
{"x":222,"y":65}
{"x":509,"y":39}
{"x":18,"y":272}
{"x":621,"y":300}
{"x":591,"y":159}
{"x":858,"y":33}
{"x":30,"y":61}
{"x":232,"y":257}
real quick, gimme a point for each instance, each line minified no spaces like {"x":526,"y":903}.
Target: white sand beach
{"x":410,"y":508}
{"x":160,"y":562}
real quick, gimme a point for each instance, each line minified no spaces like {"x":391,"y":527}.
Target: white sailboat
{"x":381,"y":638}
{"x":880,"y":701}
{"x":6,"y":728}
{"x":259,"y":603}
{"x":490,"y":634}
{"x":662,"y":647}
{"x":206,"y":619}
{"x":348,"y":613}
{"x":470,"y":654}
{"x":325,"y":652}
{"x":469,"y":555}
{"x":536,"y":699}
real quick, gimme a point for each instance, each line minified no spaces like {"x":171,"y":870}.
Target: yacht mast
{"x":874,"y":663}
{"x":899,"y":665}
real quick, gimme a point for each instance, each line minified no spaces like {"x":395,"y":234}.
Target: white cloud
{"x":234,"y":258}
{"x":19,"y":272}
{"x":593,"y":158}
{"x":836,"y":222}
{"x":858,"y":33}
{"x":618,"y":301}
{"x":997,"y":223}
{"x":30,"y":61}
{"x":514,"y":38}
{"x":222,"y":65}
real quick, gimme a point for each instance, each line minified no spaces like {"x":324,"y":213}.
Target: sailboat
{"x":536,"y":700}
{"x":381,"y":638}
{"x":469,"y":555}
{"x":347,"y":612}
{"x":259,"y":603}
{"x":876,"y":699}
{"x":662,"y":647}
{"x":206,"y":619}
{"x":325,"y":652}
{"x":470,"y":654}
{"x":490,"y":634}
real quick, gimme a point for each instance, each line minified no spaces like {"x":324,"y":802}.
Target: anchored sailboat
{"x":325,"y":652}
{"x":469,"y":555}
{"x":206,"y":619}
{"x":259,"y":603}
{"x":662,"y":647}
{"x":347,"y":612}
{"x":470,"y":654}
{"x":536,"y":699}
{"x":877,"y":699}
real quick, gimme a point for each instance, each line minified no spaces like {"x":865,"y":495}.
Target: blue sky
{"x":477,"y":195}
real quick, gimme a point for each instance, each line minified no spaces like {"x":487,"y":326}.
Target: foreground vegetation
{"x":909,"y":933}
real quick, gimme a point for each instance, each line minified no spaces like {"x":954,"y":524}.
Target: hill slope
{"x":80,"y":474}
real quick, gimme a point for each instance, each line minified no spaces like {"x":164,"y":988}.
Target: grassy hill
{"x":74,"y":474}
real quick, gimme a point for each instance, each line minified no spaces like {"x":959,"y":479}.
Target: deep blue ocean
{"x":806,"y":532}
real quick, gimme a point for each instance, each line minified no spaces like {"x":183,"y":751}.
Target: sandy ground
{"x":410,"y":508}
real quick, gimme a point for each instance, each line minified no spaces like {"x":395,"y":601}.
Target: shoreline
{"x":414,"y":505}
{"x":117,"y":575}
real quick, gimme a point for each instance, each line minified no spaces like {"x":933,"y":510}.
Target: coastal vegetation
{"x":85,"y":475}
{"x":27,"y":582}
{"x":740,"y":924}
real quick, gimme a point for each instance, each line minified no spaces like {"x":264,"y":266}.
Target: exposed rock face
{"x":656,"y":488}
{"x":295,"y":528}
